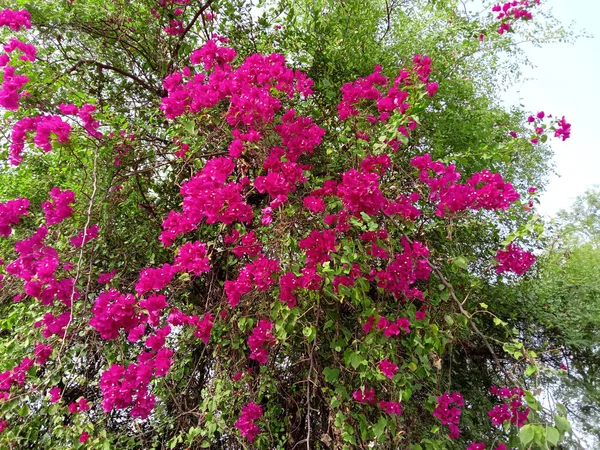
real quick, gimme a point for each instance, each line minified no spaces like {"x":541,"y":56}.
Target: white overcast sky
{"x":566,"y":82}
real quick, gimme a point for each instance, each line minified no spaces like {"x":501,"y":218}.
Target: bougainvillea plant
{"x":288,"y":291}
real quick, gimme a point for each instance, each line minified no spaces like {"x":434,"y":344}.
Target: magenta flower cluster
{"x":448,"y":412}
{"x":11,"y":213}
{"x":260,"y":340}
{"x":514,"y":259}
{"x":513,"y":410}
{"x":367,"y":396}
{"x":15,"y":20}
{"x":510,"y":12}
{"x":484,"y":189}
{"x":245,"y":423}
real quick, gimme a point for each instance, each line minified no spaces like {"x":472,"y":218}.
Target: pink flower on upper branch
{"x":204,"y":327}
{"x":563,"y":130}
{"x":15,"y":20}
{"x":54,"y":394}
{"x":44,"y":127}
{"x":514,"y":259}
{"x":42,"y":353}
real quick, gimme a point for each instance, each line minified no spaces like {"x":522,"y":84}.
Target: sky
{"x":565,"y":82}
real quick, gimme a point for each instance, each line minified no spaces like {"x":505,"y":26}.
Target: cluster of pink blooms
{"x":245,"y":422}
{"x":260,"y":340}
{"x":28,"y":50}
{"x":44,"y":127}
{"x":208,"y":196}
{"x":514,"y":259}
{"x":81,"y":405}
{"x":191,"y":257}
{"x":175,"y":28}
{"x":36,"y":266}
{"x":387,"y":368}
{"x":42,"y":353}
{"x":258,"y":273}
{"x":374,"y":88}
{"x":155,"y":279}
{"x":299,"y":135}
{"x":59,"y":207}
{"x":561,"y":128}
{"x":514,"y":410}
{"x":123,"y":387}
{"x":247,"y":245}
{"x":247,"y":88}
{"x":15,"y":20}
{"x":449,"y":414}
{"x":483,"y":190}
{"x":113,"y":311}
{"x":406,"y":268}
{"x":388,"y":328}
{"x":14,"y":376}
{"x":106,"y":277}
{"x":10,"y":90}
{"x":354,"y":272}
{"x":10,"y":214}
{"x":512,"y":11}
{"x":85,"y":236}
{"x":85,"y":114}
{"x":54,"y":325}
{"x":481,"y":446}
{"x":367,"y":396}
{"x":203,"y":326}
{"x":289,"y":282}
{"x":318,"y":246}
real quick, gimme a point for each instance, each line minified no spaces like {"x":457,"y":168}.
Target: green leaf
{"x":526,"y":434}
{"x":331,"y":374}
{"x":379,"y":427}
{"x":499,"y":322}
{"x":24,"y":411}
{"x":190,"y":126}
{"x":562,"y":424}
{"x":552,"y":435}
{"x":460,"y":262}
{"x":530,"y":370}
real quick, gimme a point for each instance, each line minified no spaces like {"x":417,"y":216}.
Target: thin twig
{"x":80,"y":260}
